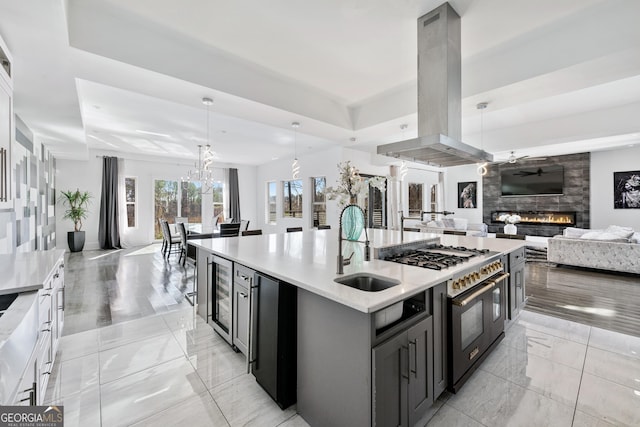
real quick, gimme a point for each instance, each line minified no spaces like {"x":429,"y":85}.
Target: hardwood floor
{"x":104,"y":287}
{"x":595,"y":298}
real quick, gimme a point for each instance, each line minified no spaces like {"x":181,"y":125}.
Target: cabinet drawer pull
{"x":46,"y":330}
{"x":243,"y":295}
{"x":407,"y":376}
{"x":55,"y":276}
{"x":414,"y":371}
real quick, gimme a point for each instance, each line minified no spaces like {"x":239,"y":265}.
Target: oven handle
{"x":501,"y":277}
{"x":490,"y":285}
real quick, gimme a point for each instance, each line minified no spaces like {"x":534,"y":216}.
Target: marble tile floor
{"x":546,"y":372}
{"x":105,"y":287}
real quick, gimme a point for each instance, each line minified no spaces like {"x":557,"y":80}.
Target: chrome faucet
{"x":342,"y":261}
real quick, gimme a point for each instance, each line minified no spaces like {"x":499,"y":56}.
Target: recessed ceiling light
{"x":146,"y":132}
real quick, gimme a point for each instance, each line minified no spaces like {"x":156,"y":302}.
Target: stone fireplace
{"x":542,"y":215}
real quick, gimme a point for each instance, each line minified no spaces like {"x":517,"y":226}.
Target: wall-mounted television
{"x":532,"y":181}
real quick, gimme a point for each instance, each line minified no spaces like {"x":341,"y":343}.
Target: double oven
{"x":476,"y":318}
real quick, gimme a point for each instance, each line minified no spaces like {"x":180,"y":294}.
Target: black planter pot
{"x":75,"y":240}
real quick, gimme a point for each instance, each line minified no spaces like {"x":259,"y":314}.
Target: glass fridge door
{"x":222,"y":298}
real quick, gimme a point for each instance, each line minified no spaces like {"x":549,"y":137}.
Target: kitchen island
{"x":340,"y":351}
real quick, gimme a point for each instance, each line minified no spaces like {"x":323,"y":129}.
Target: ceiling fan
{"x":514,"y":159}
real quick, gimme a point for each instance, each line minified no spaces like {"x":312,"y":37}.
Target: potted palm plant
{"x":76,"y":202}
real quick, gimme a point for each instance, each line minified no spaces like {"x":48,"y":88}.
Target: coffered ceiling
{"x":129,"y":76}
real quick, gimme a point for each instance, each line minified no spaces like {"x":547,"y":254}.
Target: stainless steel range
{"x":476,"y":300}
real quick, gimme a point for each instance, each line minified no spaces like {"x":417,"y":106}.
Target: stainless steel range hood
{"x":439,"y":97}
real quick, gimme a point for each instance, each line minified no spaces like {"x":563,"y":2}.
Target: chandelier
{"x":203,"y":170}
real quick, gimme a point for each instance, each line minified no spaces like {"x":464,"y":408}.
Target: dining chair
{"x":171,"y":240}
{"x":324,"y":227}
{"x":164,"y":236}
{"x":182,"y":232}
{"x":252,"y":232}
{"x":230,"y":230}
{"x":182,"y":219}
{"x":293,"y":229}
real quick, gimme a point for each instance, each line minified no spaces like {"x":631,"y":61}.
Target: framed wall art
{"x":626,"y":190}
{"x":467,"y":198}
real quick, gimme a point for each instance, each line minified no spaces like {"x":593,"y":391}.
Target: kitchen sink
{"x":367,"y":282}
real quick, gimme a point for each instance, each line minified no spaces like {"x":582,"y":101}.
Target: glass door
{"x":222,"y":272}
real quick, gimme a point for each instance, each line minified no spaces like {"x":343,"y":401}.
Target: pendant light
{"x":295,"y":167}
{"x":203,"y":172}
{"x":482,"y":167}
{"x":402,"y":171}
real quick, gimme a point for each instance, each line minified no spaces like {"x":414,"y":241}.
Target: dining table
{"x":201,"y":231}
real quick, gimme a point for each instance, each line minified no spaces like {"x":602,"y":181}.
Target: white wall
{"x":454,"y":175}
{"x":603,"y":165}
{"x":87,"y":175}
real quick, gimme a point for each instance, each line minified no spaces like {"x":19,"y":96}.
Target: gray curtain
{"x":234,"y":195}
{"x":108,"y":233}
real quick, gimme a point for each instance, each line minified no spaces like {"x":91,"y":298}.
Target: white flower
{"x":509,"y":218}
{"x":350,"y":184}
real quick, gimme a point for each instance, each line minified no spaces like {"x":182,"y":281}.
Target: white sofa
{"x":453,"y":224}
{"x":614,"y":248}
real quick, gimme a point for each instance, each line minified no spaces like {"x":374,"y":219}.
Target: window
{"x":131,"y":191}
{"x":292,"y":206}
{"x":375,"y":203}
{"x":415,"y":199}
{"x":165,"y":203}
{"x":218,"y":199}
{"x":191,"y":201}
{"x":319,"y":201}
{"x":271,"y":202}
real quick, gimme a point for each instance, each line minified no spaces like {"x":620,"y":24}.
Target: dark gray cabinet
{"x":403,"y":376}
{"x":439,"y":311}
{"x":516,"y":291}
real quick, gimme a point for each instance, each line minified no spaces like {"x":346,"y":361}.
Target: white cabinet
{"x":6,"y":126}
{"x":50,"y":307}
{"x":51,"y":318}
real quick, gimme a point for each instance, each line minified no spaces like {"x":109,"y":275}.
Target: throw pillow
{"x":596,"y":235}
{"x":635,"y":238}
{"x":449,"y":223}
{"x":621,"y":232}
{"x":575,"y":232}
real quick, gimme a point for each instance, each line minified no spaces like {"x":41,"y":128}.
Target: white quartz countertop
{"x":308,"y":260}
{"x":27,"y":271}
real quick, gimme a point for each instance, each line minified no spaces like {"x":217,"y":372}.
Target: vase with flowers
{"x":510,"y":220}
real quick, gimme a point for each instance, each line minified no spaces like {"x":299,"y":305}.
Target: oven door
{"x":476,"y":319}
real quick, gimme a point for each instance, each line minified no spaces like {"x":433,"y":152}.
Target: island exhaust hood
{"x":439,"y":97}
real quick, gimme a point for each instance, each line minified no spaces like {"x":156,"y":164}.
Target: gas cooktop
{"x":435,"y":257}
